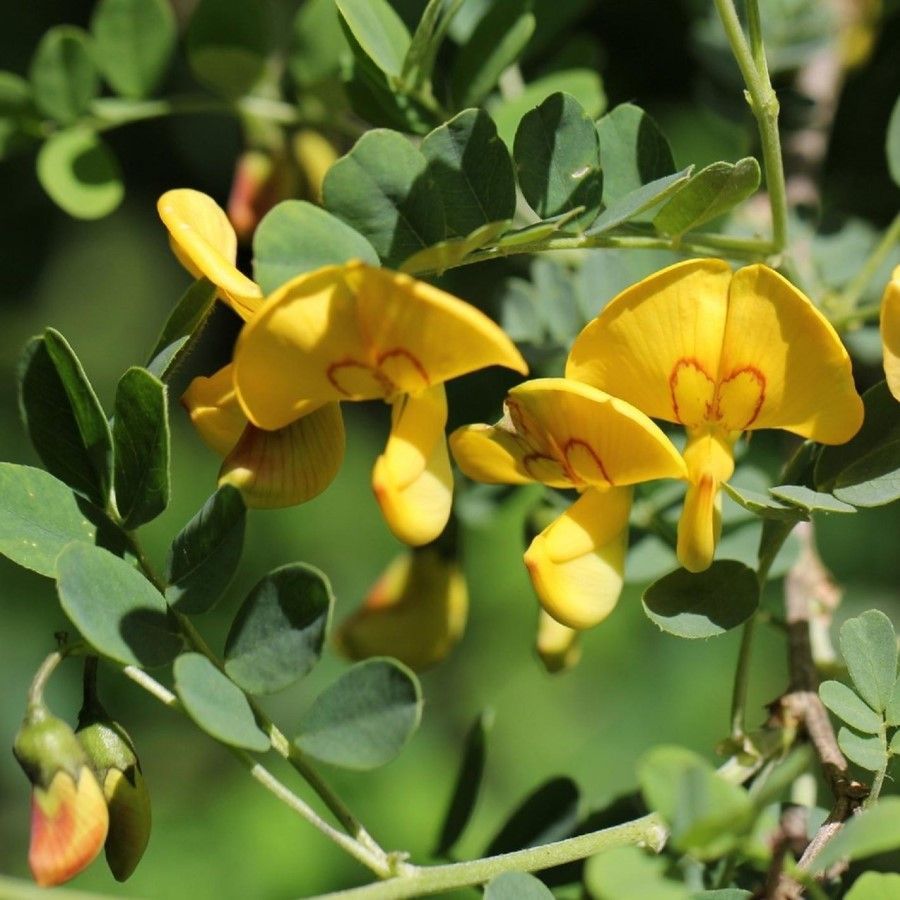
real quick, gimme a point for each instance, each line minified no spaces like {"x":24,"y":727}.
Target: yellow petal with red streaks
{"x":577,"y":563}
{"x":354,"y":332}
{"x":783,"y":365}
{"x":657,"y":344}
{"x":890,"y":333}
{"x":493,"y":454}
{"x":205,"y":243}
{"x":214,"y":410}
{"x":415,"y":612}
{"x":280,"y":468}
{"x":412,"y":479}
{"x":69,"y":823}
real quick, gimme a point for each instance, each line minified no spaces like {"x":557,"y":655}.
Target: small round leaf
{"x":516,"y":886}
{"x":703,"y":604}
{"x":79,"y":172}
{"x":277,"y":635}
{"x":216,"y":704}
{"x":364,"y":718}
{"x":63,"y":74}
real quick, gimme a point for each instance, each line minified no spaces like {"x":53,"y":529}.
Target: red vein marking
{"x":578,"y":442}
{"x":685,"y":362}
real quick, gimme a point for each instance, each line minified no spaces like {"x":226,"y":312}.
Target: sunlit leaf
{"x":869,"y":647}
{"x":631,"y":205}
{"x":848,"y":706}
{"x":809,"y":500}
{"x":875,"y":830}
{"x":379,"y":31}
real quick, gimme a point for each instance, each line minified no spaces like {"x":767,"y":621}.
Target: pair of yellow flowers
{"x":694,"y":344}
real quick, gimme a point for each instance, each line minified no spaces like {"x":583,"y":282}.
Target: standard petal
{"x":783,"y":365}
{"x":558,"y":646}
{"x":412,"y":479}
{"x":214,"y":411}
{"x":657,"y":344}
{"x":205,"y":243}
{"x":69,"y":822}
{"x":415,"y":612}
{"x":354,"y":332}
{"x":577,"y":563}
{"x":280,"y":468}
{"x":890,"y":333}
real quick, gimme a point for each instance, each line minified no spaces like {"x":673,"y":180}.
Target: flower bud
{"x":69,"y":819}
{"x":557,"y":645}
{"x":315,"y":155}
{"x":261,"y":179}
{"x":415,"y":612}
{"x":113,"y":758}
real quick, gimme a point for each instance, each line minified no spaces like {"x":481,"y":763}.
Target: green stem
{"x":35,"y":696}
{"x":853,"y":291}
{"x":880,"y":775}
{"x":376,"y":862}
{"x":420,"y":881}
{"x":763,"y":104}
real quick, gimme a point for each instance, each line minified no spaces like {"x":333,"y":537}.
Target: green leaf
{"x":141,"y":440}
{"x":468,"y":783}
{"x":633,"y":150}
{"x":703,"y":604}
{"x":743,"y":544}
{"x":709,"y":194}
{"x":583,"y":84}
{"x":846,"y":705}
{"x":216,"y":704}
{"x":894,"y":746}
{"x":279,"y":630}
{"x":761,"y":505}
{"x":183,"y":323}
{"x":381,"y":188}
{"x":809,"y":500}
{"x":496,"y":43}
{"x":892,"y":713}
{"x":867,"y":751}
{"x":874,"y":830}
{"x":295,"y":237}
{"x":134,"y":40}
{"x":227,"y":44}
{"x":876,"y":885}
{"x":206,"y":553}
{"x":706,"y":813}
{"x":363,"y":719}
{"x":873,"y":480}
{"x":625,"y":873}
{"x":38,"y":517}
{"x":63,"y":74}
{"x":539,"y":231}
{"x":114,"y":607}
{"x":418,"y":63}
{"x":638,"y":201}
{"x":446,"y":254}
{"x":869,"y":647}
{"x":379,"y":31}
{"x":80,"y":173}
{"x":63,"y":417}
{"x":557,"y":155}
{"x":892,"y":143}
{"x":516,"y":886}
{"x":881,"y":427}
{"x":472,"y":170}
{"x":549,"y":813}
{"x":318,"y":44}
{"x":19,"y":120}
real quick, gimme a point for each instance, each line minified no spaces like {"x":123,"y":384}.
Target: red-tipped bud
{"x":69,"y":819}
{"x":260,"y":181}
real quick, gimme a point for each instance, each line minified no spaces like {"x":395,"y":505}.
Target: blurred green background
{"x":108,"y":285}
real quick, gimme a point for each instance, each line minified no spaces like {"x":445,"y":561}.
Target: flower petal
{"x":657,"y":344}
{"x":280,"y":468}
{"x":890,"y":332}
{"x":205,"y":243}
{"x":354,"y":332}
{"x":577,"y":563}
{"x":558,"y":646}
{"x":412,"y":479}
{"x":494,"y":455}
{"x":69,"y":822}
{"x":783,"y":365}
{"x":415,"y":612}
{"x":214,"y":411}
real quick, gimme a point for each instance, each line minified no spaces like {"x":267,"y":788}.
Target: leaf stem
{"x":418,"y":881}
{"x":376,"y":862}
{"x":35,"y":696}
{"x":751,"y":61}
{"x":854,"y":289}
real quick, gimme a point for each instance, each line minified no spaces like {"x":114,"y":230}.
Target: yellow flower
{"x":720,"y":353}
{"x":274,"y":468}
{"x":890,"y":332}
{"x":557,"y":645}
{"x":353,"y":332}
{"x":569,"y":435}
{"x":415,"y":612}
